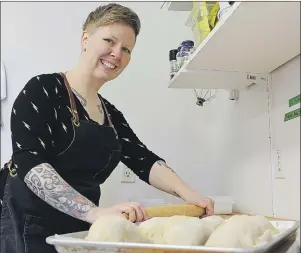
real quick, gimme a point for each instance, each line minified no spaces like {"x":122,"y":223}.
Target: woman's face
{"x":107,"y":50}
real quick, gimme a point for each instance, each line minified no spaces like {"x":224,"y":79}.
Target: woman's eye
{"x":127,"y":50}
{"x":109,"y":41}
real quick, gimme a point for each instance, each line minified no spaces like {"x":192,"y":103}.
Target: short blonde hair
{"x":110,"y":14}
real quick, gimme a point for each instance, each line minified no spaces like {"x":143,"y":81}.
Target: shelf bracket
{"x":260,"y":79}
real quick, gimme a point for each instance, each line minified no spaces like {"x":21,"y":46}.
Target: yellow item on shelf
{"x":213,"y":15}
{"x":202,"y":19}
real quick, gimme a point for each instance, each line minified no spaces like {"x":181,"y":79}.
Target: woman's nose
{"x":116,"y":53}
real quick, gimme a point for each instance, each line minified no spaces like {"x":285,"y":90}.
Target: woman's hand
{"x":134,"y":211}
{"x":196,"y":199}
{"x":204,"y":202}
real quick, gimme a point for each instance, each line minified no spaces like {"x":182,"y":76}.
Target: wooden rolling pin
{"x":171,"y":210}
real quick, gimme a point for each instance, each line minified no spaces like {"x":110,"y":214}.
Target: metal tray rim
{"x":60,"y":242}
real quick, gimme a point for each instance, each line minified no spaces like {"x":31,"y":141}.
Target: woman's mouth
{"x":108,"y":65}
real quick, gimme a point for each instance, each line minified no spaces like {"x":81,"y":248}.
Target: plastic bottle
{"x":187,"y":48}
{"x":178,"y":57}
{"x":184,"y":55}
{"x":173,"y":62}
{"x":189,"y":44}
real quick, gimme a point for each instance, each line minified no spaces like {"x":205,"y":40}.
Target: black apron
{"x":26,"y":220}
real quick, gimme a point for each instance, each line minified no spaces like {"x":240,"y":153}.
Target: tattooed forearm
{"x":46,"y":183}
{"x":165,"y":178}
{"x":161,"y":163}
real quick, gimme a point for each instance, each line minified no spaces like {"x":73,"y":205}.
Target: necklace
{"x":84,"y":102}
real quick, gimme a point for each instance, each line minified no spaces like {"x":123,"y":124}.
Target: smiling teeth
{"x":108,"y":64}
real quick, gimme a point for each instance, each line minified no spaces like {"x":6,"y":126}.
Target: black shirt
{"x":41,"y":128}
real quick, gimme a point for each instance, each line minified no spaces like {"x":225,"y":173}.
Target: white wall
{"x":222,"y":148}
{"x":248,"y":145}
{"x":286,"y":138}
{"x":244,"y":149}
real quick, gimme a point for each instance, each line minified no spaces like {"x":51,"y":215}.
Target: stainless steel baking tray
{"x":75,"y":243}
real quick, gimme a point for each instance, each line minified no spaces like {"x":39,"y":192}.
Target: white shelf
{"x":256,"y":38}
{"x":177,"y":6}
{"x":213,"y":79}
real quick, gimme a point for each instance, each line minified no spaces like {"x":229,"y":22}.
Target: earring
{"x":85,"y":49}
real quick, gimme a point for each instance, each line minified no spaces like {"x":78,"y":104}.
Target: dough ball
{"x":180,"y":230}
{"x":213,"y":222}
{"x":183,"y":230}
{"x":267,"y":230}
{"x":267,"y":236}
{"x":153,"y":229}
{"x":240,"y":231}
{"x":263,"y":223}
{"x":115,"y":229}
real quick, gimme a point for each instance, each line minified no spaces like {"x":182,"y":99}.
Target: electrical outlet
{"x":128,"y":176}
{"x":279,"y":172}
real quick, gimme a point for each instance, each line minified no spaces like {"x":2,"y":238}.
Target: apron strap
{"x":75,"y":119}
{"x":73,"y":105}
{"x":109,"y":118}
{"x":106,"y":111}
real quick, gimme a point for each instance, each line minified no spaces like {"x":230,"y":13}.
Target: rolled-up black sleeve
{"x":135,"y":155}
{"x":32,"y":121}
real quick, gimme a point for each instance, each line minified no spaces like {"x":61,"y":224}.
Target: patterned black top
{"x":41,"y":127}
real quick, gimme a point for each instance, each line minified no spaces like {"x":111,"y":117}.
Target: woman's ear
{"x":84,"y":40}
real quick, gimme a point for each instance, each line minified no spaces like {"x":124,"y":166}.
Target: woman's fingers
{"x":208,"y":204}
{"x":140,"y":212}
{"x":210,"y":207}
{"x":132,"y":214}
{"x":124,"y":208}
{"x":134,"y":210}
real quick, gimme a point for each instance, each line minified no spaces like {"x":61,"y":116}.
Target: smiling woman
{"x":108,"y":39}
{"x":67,"y":139}
{"x":109,"y":49}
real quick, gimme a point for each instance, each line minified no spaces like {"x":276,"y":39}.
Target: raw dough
{"x":190,"y":231}
{"x":153,"y":229}
{"x":266,"y":237}
{"x":182,"y":230}
{"x":115,"y":229}
{"x":241,"y":231}
{"x":179,"y":230}
{"x":213,"y":221}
